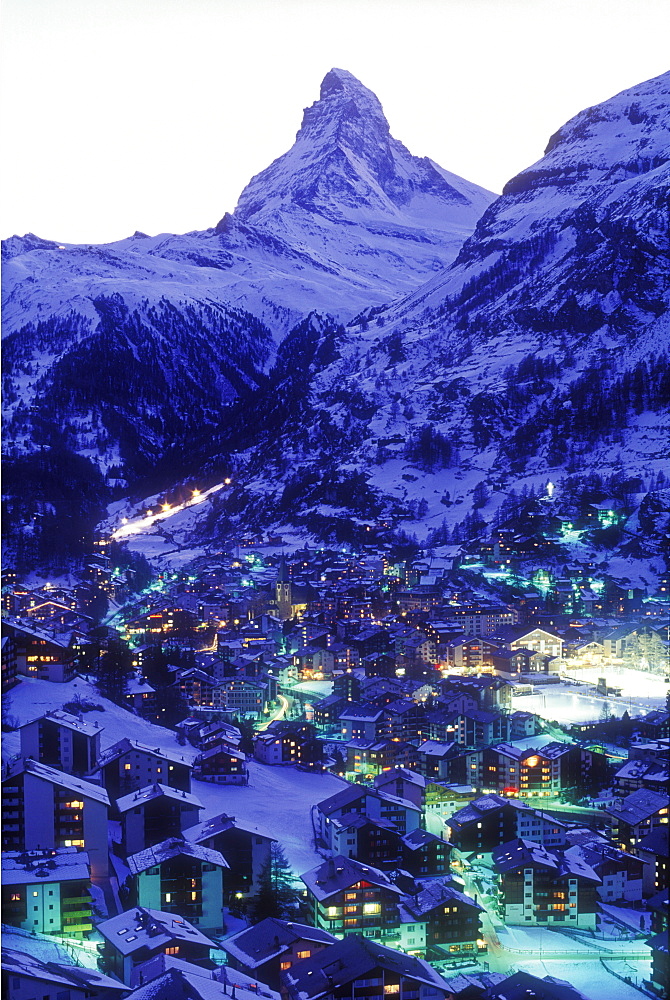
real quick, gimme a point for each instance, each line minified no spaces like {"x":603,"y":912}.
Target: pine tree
{"x":277,"y":895}
{"x":114,"y":670}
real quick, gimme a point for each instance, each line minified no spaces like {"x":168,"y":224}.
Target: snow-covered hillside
{"x":121,"y":352}
{"x":540,"y":352}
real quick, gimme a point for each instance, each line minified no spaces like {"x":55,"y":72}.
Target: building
{"x":272,"y":946}
{"x":149,"y":815}
{"x":490,"y":820}
{"x":47,"y":891}
{"x":346,"y":896}
{"x":63,"y":741}
{"x":47,"y":808}
{"x":128,"y":765}
{"x":40,"y":652}
{"x":541,"y":887}
{"x":620,"y":872}
{"x":183,"y":878}
{"x":638,"y":814}
{"x":133,"y":937}
{"x":221,"y":765}
{"x":360,"y":969}
{"x":25,"y":976}
{"x":438,"y":919}
{"x":246,"y":848}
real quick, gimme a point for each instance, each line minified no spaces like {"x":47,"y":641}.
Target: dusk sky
{"x":153,"y":114}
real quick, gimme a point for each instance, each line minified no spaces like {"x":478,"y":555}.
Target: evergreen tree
{"x":277,"y":894}
{"x":114,"y":670}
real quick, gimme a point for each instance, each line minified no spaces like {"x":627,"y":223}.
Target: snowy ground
{"x":32,"y":698}
{"x":641,"y":692}
{"x":270,"y":789}
{"x":591,"y":978}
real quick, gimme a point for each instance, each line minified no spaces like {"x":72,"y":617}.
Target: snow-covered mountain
{"x":126,"y":349}
{"x":347,"y":218}
{"x":541,"y":352}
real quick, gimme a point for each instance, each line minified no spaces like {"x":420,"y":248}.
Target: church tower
{"x":283,"y":590}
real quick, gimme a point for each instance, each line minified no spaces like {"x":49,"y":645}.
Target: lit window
{"x":285,"y":965}
{"x":369,"y":908}
{"x":304,"y":954}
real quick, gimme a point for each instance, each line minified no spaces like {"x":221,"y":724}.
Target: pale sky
{"x":153,"y":114}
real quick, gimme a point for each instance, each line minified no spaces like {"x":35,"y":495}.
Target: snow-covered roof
{"x":338,"y":873}
{"x":172,"y":848}
{"x":354,"y":958}
{"x":79,"y":785}
{"x":76,"y":977}
{"x":140,"y":928}
{"x":69,"y":721}
{"x":56,"y":865}
{"x":141,"y":796}
{"x":126,"y":745}
{"x":256,"y":945}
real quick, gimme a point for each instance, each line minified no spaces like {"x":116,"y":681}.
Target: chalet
{"x":542,"y":771}
{"x":374,"y":804}
{"x":182,"y":878}
{"x":132,"y":937}
{"x":478,"y":727}
{"x":639,"y":813}
{"x":425,"y":854}
{"x":42,"y":653}
{"x":222,"y":766}
{"x":376,"y":756}
{"x":273,"y":946}
{"x":539,"y":886}
{"x":47,"y":891}
{"x":403,"y":783}
{"x":346,"y":895}
{"x":620,"y":872}
{"x":150,"y":814}
{"x":437,"y":919}
{"x":353,"y":967}
{"x":403,"y":719}
{"x":478,"y":828}
{"x":469,"y":653}
{"x":371,"y":841}
{"x":363,"y":722}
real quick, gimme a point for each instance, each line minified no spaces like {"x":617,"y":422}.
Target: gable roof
{"x":145,"y":928}
{"x":172,"y":848}
{"x":68,"y":781}
{"x":256,"y":945}
{"x":338,"y":873}
{"x":141,"y":796}
{"x":354,"y":958}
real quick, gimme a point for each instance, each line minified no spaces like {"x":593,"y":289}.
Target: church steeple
{"x":283,"y":589}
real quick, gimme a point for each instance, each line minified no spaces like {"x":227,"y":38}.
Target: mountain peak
{"x":345,"y":164}
{"x":338,"y":80}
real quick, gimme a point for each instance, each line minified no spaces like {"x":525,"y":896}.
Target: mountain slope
{"x":541,"y":352}
{"x":339,"y":221}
